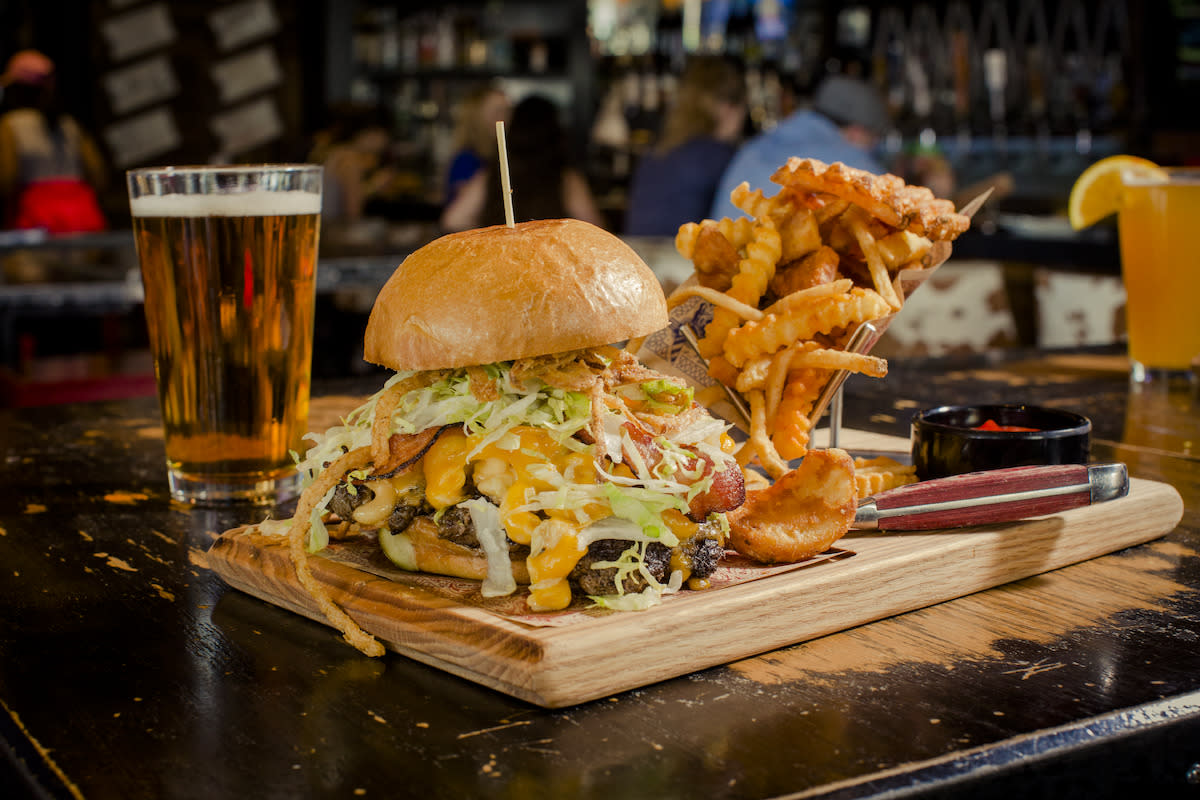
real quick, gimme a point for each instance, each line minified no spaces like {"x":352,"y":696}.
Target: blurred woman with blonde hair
{"x":674,"y":183}
{"x":475,"y":135}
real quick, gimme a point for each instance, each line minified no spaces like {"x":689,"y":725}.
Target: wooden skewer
{"x":505,"y":185}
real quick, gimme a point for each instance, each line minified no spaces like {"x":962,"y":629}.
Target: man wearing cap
{"x":846,"y":120}
{"x":26,"y":66}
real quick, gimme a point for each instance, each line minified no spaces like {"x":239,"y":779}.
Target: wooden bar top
{"x":129,"y":669}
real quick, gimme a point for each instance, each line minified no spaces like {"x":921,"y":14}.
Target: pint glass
{"x":228,"y":258}
{"x":1160,"y":263}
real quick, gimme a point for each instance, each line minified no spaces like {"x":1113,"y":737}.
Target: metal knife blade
{"x":1000,"y":495}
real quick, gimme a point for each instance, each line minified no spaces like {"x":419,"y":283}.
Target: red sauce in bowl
{"x":990,"y":425}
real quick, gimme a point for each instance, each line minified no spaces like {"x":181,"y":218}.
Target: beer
{"x":229,"y":294}
{"x":1160,"y":263}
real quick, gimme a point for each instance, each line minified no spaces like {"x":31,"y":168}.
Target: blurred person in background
{"x":545,"y":185}
{"x":50,"y":168}
{"x":846,"y":121}
{"x":676,"y":181}
{"x":475,"y":135}
{"x":355,"y":160}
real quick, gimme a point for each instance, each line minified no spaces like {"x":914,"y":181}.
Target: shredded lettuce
{"x":633,"y":560}
{"x":275,"y":527}
{"x":318,"y":534}
{"x":449,"y":401}
{"x":492,"y":538}
{"x":646,"y":598}
{"x":664,"y":396}
{"x":616,"y":528}
{"x":644,"y":507}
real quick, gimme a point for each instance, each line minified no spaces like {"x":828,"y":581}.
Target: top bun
{"x":501,"y":293}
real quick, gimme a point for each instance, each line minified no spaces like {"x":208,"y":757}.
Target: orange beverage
{"x":1159,"y":224}
{"x":229,"y":279}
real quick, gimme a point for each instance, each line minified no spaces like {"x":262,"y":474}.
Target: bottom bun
{"x":420,"y":549}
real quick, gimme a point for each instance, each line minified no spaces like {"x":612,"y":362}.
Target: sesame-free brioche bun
{"x":503,"y":293}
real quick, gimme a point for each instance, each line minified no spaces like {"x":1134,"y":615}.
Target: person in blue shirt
{"x":845,"y":122}
{"x":475,"y":136}
{"x":674,"y":183}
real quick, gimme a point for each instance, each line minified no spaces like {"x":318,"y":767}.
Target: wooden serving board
{"x":602,"y":653}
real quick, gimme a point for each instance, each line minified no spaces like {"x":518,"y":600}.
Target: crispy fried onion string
{"x":385,"y":406}
{"x":330,"y":477}
{"x":594,"y":372}
{"x":483,"y":388}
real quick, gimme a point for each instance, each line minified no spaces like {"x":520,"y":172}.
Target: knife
{"x":997,"y":495}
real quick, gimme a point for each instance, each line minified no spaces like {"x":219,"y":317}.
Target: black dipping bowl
{"x":945,"y":440}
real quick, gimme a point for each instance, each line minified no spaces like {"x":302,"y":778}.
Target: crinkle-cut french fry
{"x":797,"y":299}
{"x":779,"y":207}
{"x":756,"y":373}
{"x":875,"y":475}
{"x":869,"y":483}
{"x":720,"y":369}
{"x":685,"y":237}
{"x":792,"y":424}
{"x":769,"y":373}
{"x":774,"y":332}
{"x":738,"y":231}
{"x":715,"y":259}
{"x":828,"y":358}
{"x":752,"y":202}
{"x":754,"y":273}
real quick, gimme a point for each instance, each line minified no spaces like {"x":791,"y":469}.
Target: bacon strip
{"x":728,"y":489}
{"x":406,"y":449}
{"x":727,"y":492}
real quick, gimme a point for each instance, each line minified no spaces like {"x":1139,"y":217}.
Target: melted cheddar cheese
{"x":511,"y":471}
{"x":684,"y":529}
{"x":523,"y":451}
{"x":446,"y":469}
{"x":387,"y":491}
{"x":555,"y":552}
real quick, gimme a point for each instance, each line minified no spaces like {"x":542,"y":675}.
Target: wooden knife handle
{"x":979,"y":498}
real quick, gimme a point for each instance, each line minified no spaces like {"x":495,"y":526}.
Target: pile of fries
{"x":792,"y":280}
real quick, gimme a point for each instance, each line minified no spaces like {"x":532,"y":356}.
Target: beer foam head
{"x":253,"y":203}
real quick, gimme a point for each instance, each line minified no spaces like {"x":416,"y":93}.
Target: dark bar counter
{"x":129,"y":670}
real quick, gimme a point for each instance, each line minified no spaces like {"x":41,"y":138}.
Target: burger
{"x":518,"y":443}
